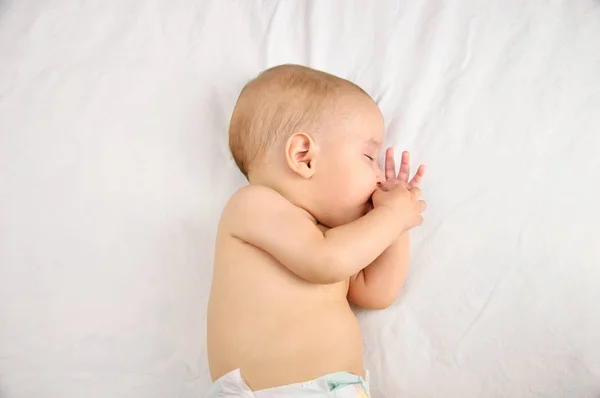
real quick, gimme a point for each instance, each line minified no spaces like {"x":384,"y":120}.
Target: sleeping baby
{"x":319,"y":225}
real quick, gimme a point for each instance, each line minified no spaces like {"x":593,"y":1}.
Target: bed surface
{"x":114,"y":167}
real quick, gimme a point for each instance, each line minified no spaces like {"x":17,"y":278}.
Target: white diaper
{"x":338,"y":385}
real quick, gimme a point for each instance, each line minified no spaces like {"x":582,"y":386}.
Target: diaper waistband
{"x":232,"y":385}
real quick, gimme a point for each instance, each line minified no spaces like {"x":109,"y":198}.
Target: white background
{"x":114,"y":168}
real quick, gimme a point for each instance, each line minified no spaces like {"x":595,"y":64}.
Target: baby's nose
{"x":380,"y":177}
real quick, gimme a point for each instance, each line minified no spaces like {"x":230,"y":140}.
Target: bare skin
{"x":279,"y":307}
{"x":276,"y":327}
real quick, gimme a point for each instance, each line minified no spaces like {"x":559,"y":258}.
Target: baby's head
{"x":313,"y":137}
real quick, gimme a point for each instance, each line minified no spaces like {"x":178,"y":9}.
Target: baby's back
{"x":275,"y":327}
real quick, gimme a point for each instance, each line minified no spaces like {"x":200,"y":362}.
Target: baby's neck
{"x":285,"y":187}
{"x":265,"y":179}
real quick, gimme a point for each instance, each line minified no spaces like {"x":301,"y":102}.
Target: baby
{"x":319,"y":226}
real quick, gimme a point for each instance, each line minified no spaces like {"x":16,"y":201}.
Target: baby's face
{"x":348,"y":169}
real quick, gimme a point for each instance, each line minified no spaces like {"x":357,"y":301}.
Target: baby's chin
{"x":338,"y":218}
{"x":349,"y":217}
{"x":361,"y":211}
{"x":369,"y":206}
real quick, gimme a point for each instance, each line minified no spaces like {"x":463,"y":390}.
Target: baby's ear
{"x":300,"y":150}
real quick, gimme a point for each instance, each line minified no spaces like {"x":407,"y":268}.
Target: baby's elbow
{"x":372,"y":300}
{"x":381,"y":303}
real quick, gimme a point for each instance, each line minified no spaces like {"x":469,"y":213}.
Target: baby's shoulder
{"x":252,"y":196}
{"x":253,"y":200}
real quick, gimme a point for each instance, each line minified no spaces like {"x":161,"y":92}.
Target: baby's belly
{"x":288,"y":339}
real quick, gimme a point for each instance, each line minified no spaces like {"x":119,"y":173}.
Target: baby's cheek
{"x":353,"y":189}
{"x":355,"y":202}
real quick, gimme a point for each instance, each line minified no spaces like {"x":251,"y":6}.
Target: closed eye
{"x":370,"y":158}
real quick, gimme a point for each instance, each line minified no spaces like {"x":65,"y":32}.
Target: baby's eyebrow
{"x":373,"y":142}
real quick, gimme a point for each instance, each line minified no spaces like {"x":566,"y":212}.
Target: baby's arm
{"x":378,"y":285}
{"x":263,"y":218}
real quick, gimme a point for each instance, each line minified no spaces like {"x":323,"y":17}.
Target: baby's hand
{"x":400,"y":195}
{"x":392,"y":180}
{"x":403,"y":203}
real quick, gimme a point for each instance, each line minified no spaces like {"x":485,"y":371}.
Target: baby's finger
{"x":416,"y":180}
{"x":390,"y":164}
{"x":404,"y":171}
{"x":389,"y":184}
{"x":416,"y":191}
{"x":419,"y":221}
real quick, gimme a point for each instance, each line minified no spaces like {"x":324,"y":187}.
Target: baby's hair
{"x":279,"y":102}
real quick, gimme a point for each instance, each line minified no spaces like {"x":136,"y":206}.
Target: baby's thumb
{"x":384,"y":186}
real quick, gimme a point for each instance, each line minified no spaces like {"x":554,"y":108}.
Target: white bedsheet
{"x":114,"y":167}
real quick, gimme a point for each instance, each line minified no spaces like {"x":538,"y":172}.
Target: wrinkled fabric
{"x":114,"y":168}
